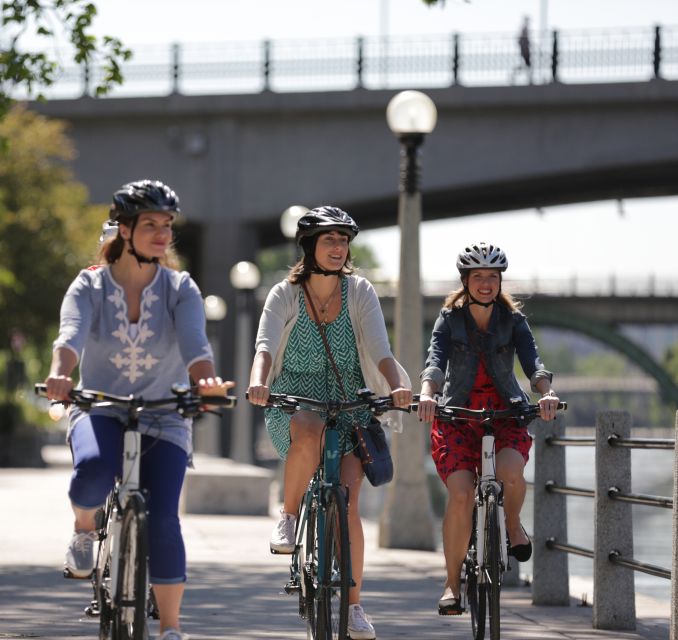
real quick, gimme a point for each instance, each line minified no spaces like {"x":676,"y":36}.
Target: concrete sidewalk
{"x":235,"y":584}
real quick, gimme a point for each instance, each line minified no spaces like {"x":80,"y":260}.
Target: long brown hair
{"x":460,"y":297}
{"x":304,"y":267}
{"x":111,"y":250}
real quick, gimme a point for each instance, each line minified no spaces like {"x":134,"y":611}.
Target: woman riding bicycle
{"x":291,"y":358}
{"x":135,"y":325}
{"x":471,"y":359}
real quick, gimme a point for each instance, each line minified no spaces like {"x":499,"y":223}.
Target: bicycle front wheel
{"x":493,"y":567}
{"x":332,"y":597}
{"x":475,"y":592}
{"x":308,"y":569}
{"x":129,"y":607}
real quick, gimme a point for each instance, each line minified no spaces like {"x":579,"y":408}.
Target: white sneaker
{"x":172,"y":634}
{"x":359,"y":625}
{"x":282,"y":538}
{"x":80,"y":554}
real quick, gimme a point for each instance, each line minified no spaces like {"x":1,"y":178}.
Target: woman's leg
{"x":352,"y":477}
{"x":457,"y":524}
{"x":510,"y":466}
{"x":163,"y":467}
{"x":303,"y":457}
{"x":96,"y":445}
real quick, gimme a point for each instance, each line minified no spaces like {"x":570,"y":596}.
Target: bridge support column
{"x":674,"y":564}
{"x":614,"y":602}
{"x":551,"y":581}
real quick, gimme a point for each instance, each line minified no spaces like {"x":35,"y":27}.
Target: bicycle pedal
{"x":92,"y":611}
{"x":292,"y":588}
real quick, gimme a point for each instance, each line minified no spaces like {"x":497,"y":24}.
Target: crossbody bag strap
{"x":321,"y":329}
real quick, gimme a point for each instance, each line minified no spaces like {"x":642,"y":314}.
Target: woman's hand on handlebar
{"x":258,"y":394}
{"x":548,"y":404}
{"x":426,"y":409}
{"x":214,"y":386}
{"x":402,"y":397}
{"x":59,"y":388}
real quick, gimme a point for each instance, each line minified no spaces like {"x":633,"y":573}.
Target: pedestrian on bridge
{"x":475,"y":339}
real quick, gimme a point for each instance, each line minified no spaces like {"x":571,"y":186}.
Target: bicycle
{"x":122,"y":598}
{"x":320,"y":567}
{"x":487,"y":557}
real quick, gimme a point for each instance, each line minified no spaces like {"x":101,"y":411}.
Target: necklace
{"x":323,"y":308}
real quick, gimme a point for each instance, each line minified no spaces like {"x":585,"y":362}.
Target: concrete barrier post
{"x":674,"y":564}
{"x":614,"y":604}
{"x":551,"y":579}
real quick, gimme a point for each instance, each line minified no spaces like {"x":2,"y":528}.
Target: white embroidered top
{"x":147,"y":359}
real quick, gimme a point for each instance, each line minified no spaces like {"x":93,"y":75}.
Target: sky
{"x":613,"y":245}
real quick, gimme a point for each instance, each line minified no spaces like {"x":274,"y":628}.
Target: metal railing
{"x":490,"y":59}
{"x":614,"y":603}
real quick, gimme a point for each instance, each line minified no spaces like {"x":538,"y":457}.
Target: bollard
{"x":614,"y":604}
{"x":674,"y":564}
{"x":551,"y":579}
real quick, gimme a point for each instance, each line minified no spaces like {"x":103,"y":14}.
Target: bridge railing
{"x":612,"y":553}
{"x":476,"y":59}
{"x":574,"y":286}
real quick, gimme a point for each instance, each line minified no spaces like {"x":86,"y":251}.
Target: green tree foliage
{"x":48,"y":231}
{"x":48,"y":20}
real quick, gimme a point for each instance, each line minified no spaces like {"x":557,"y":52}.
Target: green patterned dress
{"x":306,"y":371}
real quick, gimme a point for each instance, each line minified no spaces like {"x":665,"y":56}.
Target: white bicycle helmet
{"x":481,"y":256}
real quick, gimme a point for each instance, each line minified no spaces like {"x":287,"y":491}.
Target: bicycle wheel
{"x":129,"y":608}
{"x":475,"y":592}
{"x":493,"y":567}
{"x":332,"y":596}
{"x":308,"y":569}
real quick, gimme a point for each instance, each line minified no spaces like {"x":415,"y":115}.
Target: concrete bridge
{"x":238,"y":161}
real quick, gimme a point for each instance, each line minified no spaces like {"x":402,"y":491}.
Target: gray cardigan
{"x":280,"y":314}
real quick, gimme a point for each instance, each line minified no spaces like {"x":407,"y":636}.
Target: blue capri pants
{"x":96,"y":443}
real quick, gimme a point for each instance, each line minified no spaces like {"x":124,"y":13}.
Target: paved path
{"x":235,"y":584}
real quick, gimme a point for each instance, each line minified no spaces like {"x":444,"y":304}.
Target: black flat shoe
{"x":522,"y":552}
{"x":448,"y":605}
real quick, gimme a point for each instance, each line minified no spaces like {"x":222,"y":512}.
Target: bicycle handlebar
{"x":185,"y":401}
{"x":523,"y":412}
{"x":366,"y":399}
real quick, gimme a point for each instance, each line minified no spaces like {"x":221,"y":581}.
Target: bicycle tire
{"x":129,"y":608}
{"x":493,"y":568}
{"x":332,"y":596}
{"x":102,"y":573}
{"x":475,"y":592}
{"x":308,"y":569}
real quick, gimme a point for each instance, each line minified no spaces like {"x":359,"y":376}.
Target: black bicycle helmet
{"x":481,"y":256}
{"x":323,"y":219}
{"x":143,"y":196}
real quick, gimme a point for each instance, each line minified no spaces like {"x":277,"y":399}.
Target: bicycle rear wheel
{"x":129,"y":608}
{"x":332,"y":597}
{"x":493,"y":567}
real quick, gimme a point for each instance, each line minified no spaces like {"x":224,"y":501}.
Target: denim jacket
{"x":456,"y":345}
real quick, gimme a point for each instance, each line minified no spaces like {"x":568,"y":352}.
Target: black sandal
{"x":522,"y":552}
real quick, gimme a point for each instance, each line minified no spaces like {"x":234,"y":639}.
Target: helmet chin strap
{"x":132,"y":251}
{"x":325,"y":272}
{"x":478,"y":302}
